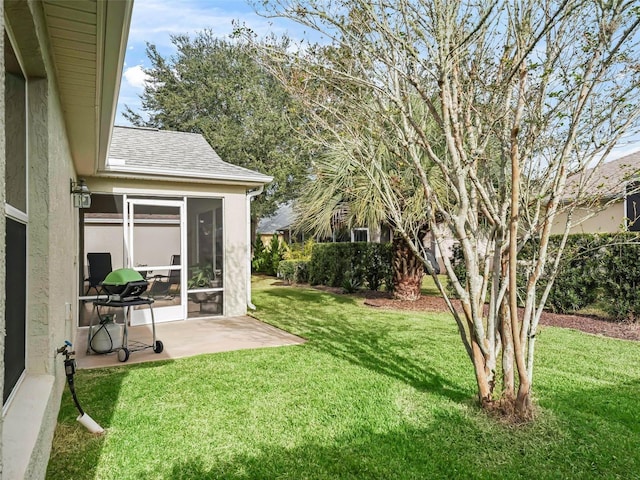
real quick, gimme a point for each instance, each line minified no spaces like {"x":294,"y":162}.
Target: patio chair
{"x":99,"y":266}
{"x":161,"y":286}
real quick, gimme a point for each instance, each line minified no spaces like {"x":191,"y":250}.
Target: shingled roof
{"x":610,"y":179}
{"x":282,"y":219}
{"x":149,"y":151}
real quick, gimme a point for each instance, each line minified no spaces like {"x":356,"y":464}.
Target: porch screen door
{"x":155,"y":234}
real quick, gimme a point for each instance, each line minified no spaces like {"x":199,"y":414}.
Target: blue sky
{"x":154,"y":21}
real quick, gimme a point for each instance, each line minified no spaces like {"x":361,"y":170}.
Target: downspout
{"x":250,"y":196}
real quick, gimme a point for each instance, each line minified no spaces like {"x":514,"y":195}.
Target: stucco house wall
{"x":613,"y":187}
{"x":29,"y":420}
{"x":608,"y":220}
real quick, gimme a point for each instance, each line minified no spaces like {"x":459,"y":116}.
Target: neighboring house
{"x":283,"y":224}
{"x":159,"y":198}
{"x":614,"y":201}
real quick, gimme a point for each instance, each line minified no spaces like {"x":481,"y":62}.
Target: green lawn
{"x":373,"y":394}
{"x":429,"y":286}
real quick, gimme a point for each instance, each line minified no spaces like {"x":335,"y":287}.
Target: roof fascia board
{"x":176,"y":174}
{"x":19,"y":21}
{"x":187,"y":177}
{"x":113,"y":35}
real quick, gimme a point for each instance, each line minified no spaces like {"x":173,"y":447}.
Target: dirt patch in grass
{"x":593,"y":325}
{"x":589,"y":324}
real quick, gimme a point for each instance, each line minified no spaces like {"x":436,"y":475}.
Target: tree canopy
{"x":216,"y":88}
{"x":521,"y":94}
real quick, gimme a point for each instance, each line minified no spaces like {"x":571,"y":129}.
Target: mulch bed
{"x":593,"y":325}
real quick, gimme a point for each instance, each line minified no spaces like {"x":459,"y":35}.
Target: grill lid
{"x":122,"y":276}
{"x":124,"y":283}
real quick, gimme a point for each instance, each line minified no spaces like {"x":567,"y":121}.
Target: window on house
{"x":632,"y":207}
{"x":360,"y":235}
{"x":15,"y":132}
{"x":385,"y":233}
{"x":342,"y":235}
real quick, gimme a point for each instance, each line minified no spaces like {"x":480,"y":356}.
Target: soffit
{"x":88,"y":41}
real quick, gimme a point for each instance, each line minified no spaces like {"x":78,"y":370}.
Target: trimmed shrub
{"x":359,"y":263}
{"x":329,"y":262}
{"x":294,"y":271}
{"x":619,"y":275}
{"x":378,"y":266}
{"x":267,"y":259}
{"x":576,"y":284}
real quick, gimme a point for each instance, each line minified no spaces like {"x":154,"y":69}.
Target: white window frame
{"x":361,"y":229}
{"x":20,"y":216}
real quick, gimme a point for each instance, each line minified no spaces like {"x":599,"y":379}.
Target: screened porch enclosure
{"x":175,"y":243}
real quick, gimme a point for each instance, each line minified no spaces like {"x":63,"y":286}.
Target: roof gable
{"x":610,"y":179}
{"x":176,"y":154}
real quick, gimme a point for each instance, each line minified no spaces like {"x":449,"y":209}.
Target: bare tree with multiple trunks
{"x":520,"y":94}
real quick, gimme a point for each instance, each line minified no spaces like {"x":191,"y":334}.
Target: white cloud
{"x":154,"y":21}
{"x":136,"y":77}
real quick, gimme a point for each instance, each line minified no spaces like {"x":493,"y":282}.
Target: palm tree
{"x":348,"y":192}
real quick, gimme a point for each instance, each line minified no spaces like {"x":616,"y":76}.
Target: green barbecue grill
{"x":124,"y":287}
{"x":124,"y":283}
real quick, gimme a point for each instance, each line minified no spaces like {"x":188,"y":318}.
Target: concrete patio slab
{"x":188,"y":338}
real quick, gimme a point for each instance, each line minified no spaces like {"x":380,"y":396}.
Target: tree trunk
{"x":408,"y":271}
{"x":484,"y":377}
{"x":524,"y":405}
{"x":508,"y":374}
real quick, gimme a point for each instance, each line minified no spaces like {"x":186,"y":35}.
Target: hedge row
{"x":350,"y":265}
{"x":294,"y":271}
{"x":346,"y":265}
{"x":595,"y":268}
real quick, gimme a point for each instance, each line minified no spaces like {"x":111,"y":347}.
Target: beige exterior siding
{"x":266,"y":238}
{"x":608,"y":220}
{"x":609,"y":182}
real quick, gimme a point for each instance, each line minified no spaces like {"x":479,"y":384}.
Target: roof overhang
{"x":88,"y":41}
{"x":174,"y":177}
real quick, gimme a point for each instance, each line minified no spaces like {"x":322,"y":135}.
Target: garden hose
{"x":70,"y":370}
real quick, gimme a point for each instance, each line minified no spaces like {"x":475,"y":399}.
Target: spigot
{"x":64,"y":350}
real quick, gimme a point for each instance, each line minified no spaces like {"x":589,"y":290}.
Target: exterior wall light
{"x":81,"y":194}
